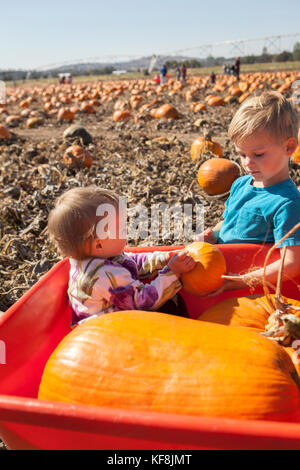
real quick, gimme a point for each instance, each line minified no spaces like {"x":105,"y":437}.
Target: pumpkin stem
{"x":278,"y":298}
{"x":282,"y":326}
{"x":208,"y":136}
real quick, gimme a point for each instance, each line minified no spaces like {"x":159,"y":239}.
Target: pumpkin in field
{"x":65,"y":114}
{"x":34,"y":122}
{"x":77,"y":157}
{"x":215,"y":101}
{"x":87,"y":108}
{"x":121,"y":115}
{"x":216,"y":175}
{"x":157,"y":362}
{"x":13,"y":120}
{"x":166,"y":111}
{"x":4,"y":133}
{"x":206,"y":276}
{"x":205,"y":144}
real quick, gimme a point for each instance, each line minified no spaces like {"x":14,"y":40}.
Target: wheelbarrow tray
{"x":32,"y":328}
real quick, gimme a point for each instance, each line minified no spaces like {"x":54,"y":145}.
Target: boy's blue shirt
{"x":257,"y":215}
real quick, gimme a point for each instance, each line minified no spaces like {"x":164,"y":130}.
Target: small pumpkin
{"x":65,"y":114}
{"x":13,"y":120}
{"x":25,"y":103}
{"x":163,"y":363}
{"x":4,"y":133}
{"x":235,"y":91}
{"x":215,"y":101}
{"x":121,"y":115}
{"x":206,"y":276}
{"x":216,"y":175}
{"x":166,"y":111}
{"x":87,"y":108}
{"x":199,"y":107}
{"x":205,"y":144}
{"x":77,"y":157}
{"x":34,"y":122}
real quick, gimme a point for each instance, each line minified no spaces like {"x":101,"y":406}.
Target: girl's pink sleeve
{"x":149,"y":263}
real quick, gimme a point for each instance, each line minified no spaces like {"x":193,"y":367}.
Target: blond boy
{"x":265,"y":204}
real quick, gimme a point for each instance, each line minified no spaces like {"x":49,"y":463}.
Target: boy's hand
{"x":230,"y":283}
{"x":207,"y":236}
{"x":181,"y":263}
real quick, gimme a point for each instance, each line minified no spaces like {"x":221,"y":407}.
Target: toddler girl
{"x":103,"y":278}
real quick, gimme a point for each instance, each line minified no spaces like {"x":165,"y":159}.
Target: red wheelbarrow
{"x":32,"y":328}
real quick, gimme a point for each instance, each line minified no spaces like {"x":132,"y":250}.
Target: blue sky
{"x":36,"y":33}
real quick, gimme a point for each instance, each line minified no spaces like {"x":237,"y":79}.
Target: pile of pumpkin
{"x":65,"y":102}
{"x":219,"y":366}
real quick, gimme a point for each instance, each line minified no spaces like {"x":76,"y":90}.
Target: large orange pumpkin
{"x":204,"y":144}
{"x":157,"y":362}
{"x":206,"y":276}
{"x":216,"y":175}
{"x":252,"y":311}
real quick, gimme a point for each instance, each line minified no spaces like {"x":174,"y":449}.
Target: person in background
{"x":237,"y":65}
{"x":177,"y":68}
{"x":163,"y":74}
{"x":183,"y":73}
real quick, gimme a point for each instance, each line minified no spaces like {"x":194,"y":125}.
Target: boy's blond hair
{"x":73,"y":219}
{"x":270,"y":112}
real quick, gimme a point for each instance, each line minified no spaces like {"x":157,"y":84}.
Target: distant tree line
{"x":10,"y":75}
{"x":264,"y":57}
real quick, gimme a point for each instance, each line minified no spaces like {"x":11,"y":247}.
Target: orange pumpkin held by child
{"x":206,"y":276}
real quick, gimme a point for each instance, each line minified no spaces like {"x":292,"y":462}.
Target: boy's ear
{"x":291,"y":145}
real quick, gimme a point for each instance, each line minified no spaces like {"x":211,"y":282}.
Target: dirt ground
{"x":148,"y":161}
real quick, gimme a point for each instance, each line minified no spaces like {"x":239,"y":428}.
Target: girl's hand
{"x":181,"y":263}
{"x":207,"y":236}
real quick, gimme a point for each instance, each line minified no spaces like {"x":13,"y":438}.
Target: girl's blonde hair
{"x":270,"y":112}
{"x":72,"y":220}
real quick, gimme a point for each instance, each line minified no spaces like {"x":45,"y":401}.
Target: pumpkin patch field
{"x":121,"y":377}
{"x":146,"y":141}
